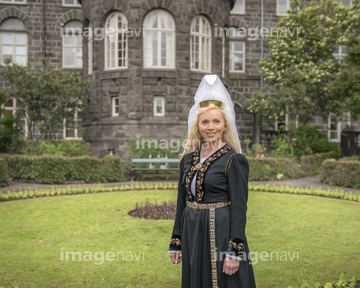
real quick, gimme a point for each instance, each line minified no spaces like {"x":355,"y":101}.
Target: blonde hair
{"x":194,"y":139}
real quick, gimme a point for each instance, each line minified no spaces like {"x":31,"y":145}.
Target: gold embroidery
{"x":213,"y":248}
{"x":239,"y":247}
{"x":175,"y":241}
{"x":201,"y":171}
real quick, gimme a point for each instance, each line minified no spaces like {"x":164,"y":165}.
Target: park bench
{"x":153,"y":164}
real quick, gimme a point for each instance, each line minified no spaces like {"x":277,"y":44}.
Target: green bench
{"x":154,"y":164}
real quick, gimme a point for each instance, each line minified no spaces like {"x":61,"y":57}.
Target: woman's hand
{"x":231,"y":266}
{"x":175,"y":257}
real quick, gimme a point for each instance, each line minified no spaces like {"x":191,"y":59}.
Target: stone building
{"x":146,"y":58}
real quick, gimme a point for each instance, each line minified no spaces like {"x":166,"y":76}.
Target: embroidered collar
{"x":196,"y":166}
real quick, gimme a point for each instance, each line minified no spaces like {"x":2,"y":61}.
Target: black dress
{"x":206,"y":236}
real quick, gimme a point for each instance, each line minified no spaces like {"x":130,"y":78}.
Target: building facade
{"x":145,"y":59}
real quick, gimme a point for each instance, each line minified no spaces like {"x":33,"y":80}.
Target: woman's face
{"x":212,"y":126}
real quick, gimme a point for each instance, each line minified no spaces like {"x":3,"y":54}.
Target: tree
{"x":301,"y":65}
{"x":346,"y":84}
{"x":45,"y":95}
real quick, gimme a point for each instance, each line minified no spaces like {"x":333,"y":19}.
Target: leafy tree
{"x":45,"y":95}
{"x":346,"y":85}
{"x":301,"y":66}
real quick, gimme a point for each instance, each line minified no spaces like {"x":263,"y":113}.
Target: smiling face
{"x":212,"y":126}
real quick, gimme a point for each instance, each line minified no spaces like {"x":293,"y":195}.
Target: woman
{"x":209,"y":230}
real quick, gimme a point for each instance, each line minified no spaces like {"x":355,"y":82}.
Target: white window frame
{"x":76,"y":47}
{"x":115,"y":106}
{"x":278,"y":13}
{"x":156,"y":105}
{"x":155,"y":55}
{"x":239,"y":8}
{"x":75,"y":129}
{"x":200,"y":44}
{"x":17,"y":2}
{"x":13,"y":30}
{"x":342,"y":2}
{"x":233,"y":53}
{"x":11,"y":109}
{"x":75,"y":4}
{"x":90,"y":51}
{"x":116,"y":41}
{"x":340,"y":54}
{"x":337,"y":129}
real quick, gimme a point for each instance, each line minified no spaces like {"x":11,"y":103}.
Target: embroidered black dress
{"x":203,"y":240}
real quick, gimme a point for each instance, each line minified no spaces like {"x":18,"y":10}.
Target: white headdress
{"x":212,"y":88}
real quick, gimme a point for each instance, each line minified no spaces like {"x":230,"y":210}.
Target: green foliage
{"x":341,"y":283}
{"x":69,"y":148}
{"x":10,"y":135}
{"x":270,"y":168}
{"x":341,"y":173}
{"x":47,"y":95}
{"x":3,"y":173}
{"x":56,"y":169}
{"x":300,"y":68}
{"x":305,"y":140}
{"x":308,"y":140}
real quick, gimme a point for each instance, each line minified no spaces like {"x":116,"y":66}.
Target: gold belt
{"x":198,"y":206}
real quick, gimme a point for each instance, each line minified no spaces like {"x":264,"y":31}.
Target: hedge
{"x":3,"y":173}
{"x":53,"y":169}
{"x":262,"y":169}
{"x":341,"y":173}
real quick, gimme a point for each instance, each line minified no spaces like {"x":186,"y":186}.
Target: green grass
{"x":320,"y":233}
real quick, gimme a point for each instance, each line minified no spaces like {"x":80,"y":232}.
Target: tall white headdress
{"x":212,"y":91}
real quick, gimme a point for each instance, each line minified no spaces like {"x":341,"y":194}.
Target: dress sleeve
{"x":238,"y":174}
{"x":175,"y":241}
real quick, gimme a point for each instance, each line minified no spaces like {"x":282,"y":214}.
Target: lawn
{"x":90,"y":241}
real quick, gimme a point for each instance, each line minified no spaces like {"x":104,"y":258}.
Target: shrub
{"x":273,"y":168}
{"x":306,"y":140}
{"x":55,"y":169}
{"x":69,"y":148}
{"x":3,"y":173}
{"x":341,"y":173}
{"x":10,"y":135}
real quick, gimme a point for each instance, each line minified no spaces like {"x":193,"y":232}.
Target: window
{"x":73,"y":125}
{"x":159,"y":40}
{"x":116,"y":41}
{"x":334,"y":127}
{"x":346,"y":2}
{"x":239,"y":7}
{"x":340,"y":53}
{"x":71,"y":3}
{"x":159,"y":106}
{"x":9,"y":108}
{"x":90,"y":51}
{"x":115,"y":106}
{"x":13,"y":1}
{"x":72,"y":45}
{"x":200,"y":44}
{"x":237,"y":56}
{"x":13,"y":42}
{"x":282,"y":7}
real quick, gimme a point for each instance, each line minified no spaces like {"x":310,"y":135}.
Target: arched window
{"x":159,"y":40}
{"x":116,"y":42}
{"x":72,"y":45}
{"x":200,"y":44}
{"x":13,"y":42}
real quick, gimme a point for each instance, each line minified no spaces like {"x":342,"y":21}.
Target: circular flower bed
{"x":154,"y":211}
